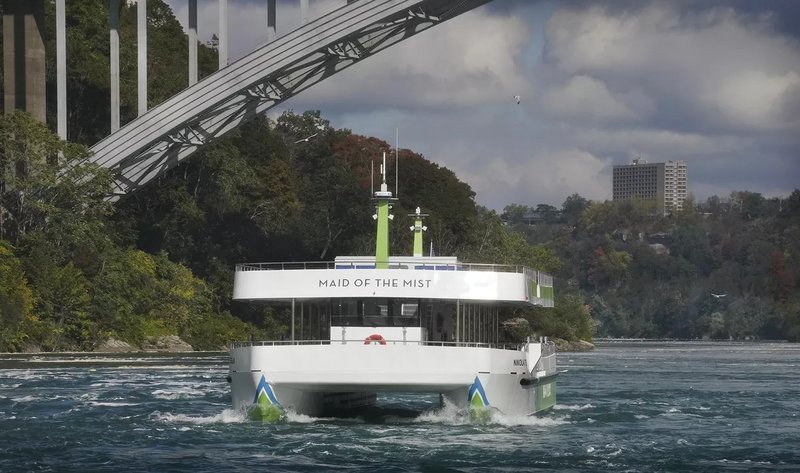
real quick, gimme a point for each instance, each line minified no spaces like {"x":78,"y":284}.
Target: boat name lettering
{"x":417,"y":283}
{"x":377,"y":282}
{"x":394,"y":282}
{"x":522,"y":362}
{"x":334,"y":283}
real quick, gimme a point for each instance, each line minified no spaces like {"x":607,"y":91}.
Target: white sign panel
{"x":336,"y":283}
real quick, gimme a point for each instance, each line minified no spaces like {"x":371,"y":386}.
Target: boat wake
{"x":449,"y":414}
{"x":228,"y":416}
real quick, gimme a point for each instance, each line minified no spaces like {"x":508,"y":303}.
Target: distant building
{"x":663,"y":185}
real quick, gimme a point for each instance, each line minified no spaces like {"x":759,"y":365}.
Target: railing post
{"x":458,"y":323}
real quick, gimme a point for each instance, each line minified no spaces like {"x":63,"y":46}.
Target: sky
{"x":713,"y":83}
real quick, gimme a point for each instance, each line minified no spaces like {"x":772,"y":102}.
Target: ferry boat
{"x":363,"y":325}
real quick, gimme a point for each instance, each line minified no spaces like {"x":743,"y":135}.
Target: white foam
{"x":294,"y":417}
{"x":506,"y":420}
{"x":112,"y":404}
{"x":572,"y":407}
{"x":186,"y":393}
{"x":28,"y":398}
{"x":228,"y":416}
{"x":449,"y":414}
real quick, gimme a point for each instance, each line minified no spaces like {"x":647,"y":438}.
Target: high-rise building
{"x":663,"y":185}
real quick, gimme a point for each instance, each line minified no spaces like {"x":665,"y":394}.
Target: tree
{"x":573,"y":208}
{"x":16,"y":300}
{"x":514,"y":214}
{"x":46,"y":185}
{"x":750,"y":204}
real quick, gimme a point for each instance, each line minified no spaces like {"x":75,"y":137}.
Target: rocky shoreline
{"x":572,"y":346}
{"x":163,"y":344}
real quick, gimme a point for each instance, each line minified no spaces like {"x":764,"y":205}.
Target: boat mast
{"x":383,"y":200}
{"x":418,"y":228}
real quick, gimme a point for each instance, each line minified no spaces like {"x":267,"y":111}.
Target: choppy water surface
{"x":624,"y":407}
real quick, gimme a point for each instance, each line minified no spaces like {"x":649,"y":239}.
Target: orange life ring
{"x":375,"y":337}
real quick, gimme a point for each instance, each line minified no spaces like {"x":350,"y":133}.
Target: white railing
{"x":547,"y":362}
{"x":411,"y":265}
{"x":361,"y":341}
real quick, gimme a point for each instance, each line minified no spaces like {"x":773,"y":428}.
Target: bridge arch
{"x":167,"y":134}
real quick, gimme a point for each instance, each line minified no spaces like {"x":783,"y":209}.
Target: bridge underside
{"x":170,"y":132}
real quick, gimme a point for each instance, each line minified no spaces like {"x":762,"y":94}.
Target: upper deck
{"x":434,"y":278}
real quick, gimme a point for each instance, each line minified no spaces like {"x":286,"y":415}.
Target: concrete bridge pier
{"x":23,"y":57}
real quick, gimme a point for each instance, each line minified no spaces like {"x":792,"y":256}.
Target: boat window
{"x":376,"y":312}
{"x":375,"y":307}
{"x":409,"y":309}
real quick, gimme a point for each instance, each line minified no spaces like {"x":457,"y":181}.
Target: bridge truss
{"x":170,"y":132}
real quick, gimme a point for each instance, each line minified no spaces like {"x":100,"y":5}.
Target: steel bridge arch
{"x":170,"y":132}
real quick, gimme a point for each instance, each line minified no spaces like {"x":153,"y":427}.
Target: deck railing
{"x":547,"y":362}
{"x":361,"y":341}
{"x":501,"y":268}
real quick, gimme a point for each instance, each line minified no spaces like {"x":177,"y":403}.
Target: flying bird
{"x":306,"y":138}
{"x":518,"y":98}
{"x":718,"y":295}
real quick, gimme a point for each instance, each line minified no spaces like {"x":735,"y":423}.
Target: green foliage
{"x":497,"y":243}
{"x":16,"y":301}
{"x":215,"y":332}
{"x":570,"y":319}
{"x":139,"y":295}
{"x":646,"y":275}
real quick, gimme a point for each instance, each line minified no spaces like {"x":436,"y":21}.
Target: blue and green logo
{"x":265,"y":405}
{"x":479,"y":409}
{"x":477,"y":396}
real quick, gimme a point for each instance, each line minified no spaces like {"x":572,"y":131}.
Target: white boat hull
{"x":312,"y":379}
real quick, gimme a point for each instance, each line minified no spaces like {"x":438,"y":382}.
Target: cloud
{"x":714,"y":68}
{"x":542,"y":173}
{"x":758,"y":100}
{"x":660,"y":144}
{"x":439,"y":68}
{"x":585,"y":98}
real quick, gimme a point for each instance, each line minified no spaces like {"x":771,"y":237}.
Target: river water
{"x":624,"y":407}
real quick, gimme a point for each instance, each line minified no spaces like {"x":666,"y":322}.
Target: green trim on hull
{"x":545,"y":395}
